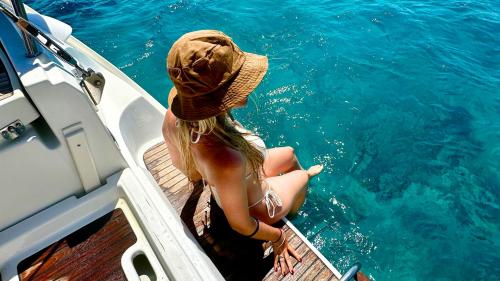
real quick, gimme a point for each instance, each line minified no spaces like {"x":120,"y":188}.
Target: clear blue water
{"x":400,"y":99}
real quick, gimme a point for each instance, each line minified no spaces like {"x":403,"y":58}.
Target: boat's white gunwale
{"x":313,"y":248}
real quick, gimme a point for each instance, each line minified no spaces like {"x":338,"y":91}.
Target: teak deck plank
{"x":154,"y":150}
{"x":91,"y":253}
{"x":236,"y":257}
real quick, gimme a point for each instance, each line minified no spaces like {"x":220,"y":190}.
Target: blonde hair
{"x":222,"y":128}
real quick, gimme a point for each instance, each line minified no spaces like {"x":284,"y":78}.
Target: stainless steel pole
{"x":29,"y":43}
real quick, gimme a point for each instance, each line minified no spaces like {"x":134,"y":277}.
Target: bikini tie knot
{"x":272,"y":201}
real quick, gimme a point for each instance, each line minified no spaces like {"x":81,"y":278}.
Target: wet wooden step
{"x":91,"y":253}
{"x":236,"y":257}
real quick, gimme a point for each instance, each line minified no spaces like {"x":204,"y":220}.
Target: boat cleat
{"x":13,"y":130}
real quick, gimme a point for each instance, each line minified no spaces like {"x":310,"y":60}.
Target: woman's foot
{"x":314,"y":170}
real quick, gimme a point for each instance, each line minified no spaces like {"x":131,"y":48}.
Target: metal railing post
{"x":29,"y":43}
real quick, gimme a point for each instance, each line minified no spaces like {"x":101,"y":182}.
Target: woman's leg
{"x":280,"y":160}
{"x":291,"y":188}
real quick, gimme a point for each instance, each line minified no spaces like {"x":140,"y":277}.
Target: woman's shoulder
{"x":169,"y":122}
{"x":220,"y":164}
{"x":217,"y":155}
{"x":170,"y":117}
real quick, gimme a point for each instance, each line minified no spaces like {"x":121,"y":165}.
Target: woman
{"x":254,"y":187}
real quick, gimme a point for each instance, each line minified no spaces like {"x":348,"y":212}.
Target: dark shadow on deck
{"x":237,"y":257}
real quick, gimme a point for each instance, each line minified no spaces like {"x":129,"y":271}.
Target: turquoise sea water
{"x":400,"y":100}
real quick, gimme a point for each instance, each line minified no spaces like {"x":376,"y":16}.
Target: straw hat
{"x":210,"y":74}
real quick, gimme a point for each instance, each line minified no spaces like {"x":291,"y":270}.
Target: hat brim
{"x":228,"y":96}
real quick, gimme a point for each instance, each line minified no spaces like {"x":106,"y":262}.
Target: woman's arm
{"x":168,"y":131}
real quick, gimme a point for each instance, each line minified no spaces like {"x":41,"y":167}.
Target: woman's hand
{"x":282,"y":255}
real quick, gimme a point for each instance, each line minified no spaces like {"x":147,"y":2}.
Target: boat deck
{"x":82,"y":254}
{"x":236,"y":257}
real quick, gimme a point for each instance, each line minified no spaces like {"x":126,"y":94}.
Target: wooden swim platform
{"x":236,"y":257}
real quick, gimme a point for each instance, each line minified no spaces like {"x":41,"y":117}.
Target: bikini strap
{"x":256,"y":203}
{"x":272,"y":200}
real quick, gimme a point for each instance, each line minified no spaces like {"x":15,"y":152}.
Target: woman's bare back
{"x":208,"y":154}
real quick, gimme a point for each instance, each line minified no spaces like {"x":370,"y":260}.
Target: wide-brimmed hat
{"x":210,"y":74}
